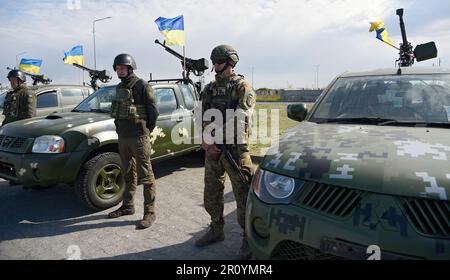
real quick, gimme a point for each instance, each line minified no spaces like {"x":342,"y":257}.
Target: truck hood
{"x":405,"y":161}
{"x":54,"y":124}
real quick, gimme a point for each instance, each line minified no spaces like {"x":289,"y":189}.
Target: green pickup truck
{"x":80,"y":148}
{"x":365,"y":175}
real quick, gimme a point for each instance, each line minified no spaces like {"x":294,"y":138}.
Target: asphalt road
{"x":52,"y":224}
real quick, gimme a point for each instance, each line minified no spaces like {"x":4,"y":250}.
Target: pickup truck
{"x":54,"y":98}
{"x":80,"y":147}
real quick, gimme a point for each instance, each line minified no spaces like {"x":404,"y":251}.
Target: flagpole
{"x":184,"y":62}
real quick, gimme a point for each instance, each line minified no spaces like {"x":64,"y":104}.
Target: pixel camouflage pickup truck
{"x":366,"y":172}
{"x":80,"y":147}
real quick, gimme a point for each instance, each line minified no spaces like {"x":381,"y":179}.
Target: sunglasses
{"x":218,"y":61}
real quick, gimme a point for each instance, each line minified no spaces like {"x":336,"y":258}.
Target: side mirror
{"x":297,"y":112}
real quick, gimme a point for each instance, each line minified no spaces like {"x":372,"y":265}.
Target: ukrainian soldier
{"x":228,"y":91}
{"x":20,"y":103}
{"x":135,"y":113}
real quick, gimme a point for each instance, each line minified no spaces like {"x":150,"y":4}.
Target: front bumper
{"x":270,"y":227}
{"x":40,"y":169}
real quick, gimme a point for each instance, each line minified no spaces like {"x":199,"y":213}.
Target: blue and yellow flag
{"x":32,"y":66}
{"x":382,"y":33}
{"x":75,"y":55}
{"x":172,"y":29}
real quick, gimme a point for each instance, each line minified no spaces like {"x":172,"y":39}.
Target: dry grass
{"x":284,"y":123}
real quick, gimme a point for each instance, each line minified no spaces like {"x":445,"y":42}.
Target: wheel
{"x":100,"y":183}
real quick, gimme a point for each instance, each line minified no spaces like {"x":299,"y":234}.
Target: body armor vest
{"x":223,"y":97}
{"x":11,"y":104}
{"x":123,"y":106}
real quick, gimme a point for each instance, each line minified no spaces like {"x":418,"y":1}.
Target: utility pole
{"x":252,"y":78}
{"x":93,"y":34}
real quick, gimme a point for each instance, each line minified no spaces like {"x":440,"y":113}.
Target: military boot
{"x":244,"y":251}
{"x":213,"y":235}
{"x":122,"y":211}
{"x":146,"y":221}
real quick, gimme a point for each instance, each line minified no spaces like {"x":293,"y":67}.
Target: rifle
{"x":420,"y":53}
{"x":36,"y":78}
{"x":229,"y":157}
{"x":102,"y":75}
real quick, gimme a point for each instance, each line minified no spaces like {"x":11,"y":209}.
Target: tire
{"x":100,"y":183}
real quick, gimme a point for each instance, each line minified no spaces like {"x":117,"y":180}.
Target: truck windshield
{"x":388,"y":99}
{"x":99,"y":101}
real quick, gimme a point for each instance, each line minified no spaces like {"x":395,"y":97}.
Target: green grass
{"x":268,"y":98}
{"x":284,"y":124}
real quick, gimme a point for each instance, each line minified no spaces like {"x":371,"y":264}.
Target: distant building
{"x":267,"y":92}
{"x":300,"y":95}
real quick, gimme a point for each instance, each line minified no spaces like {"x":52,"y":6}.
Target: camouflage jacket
{"x":231,"y":92}
{"x":143,"y":95}
{"x":20,"y":104}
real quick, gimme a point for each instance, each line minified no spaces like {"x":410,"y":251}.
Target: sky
{"x":281,"y":43}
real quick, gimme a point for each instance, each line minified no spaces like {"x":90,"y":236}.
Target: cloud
{"x":281,"y":40}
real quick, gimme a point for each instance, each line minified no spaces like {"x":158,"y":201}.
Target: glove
{"x":211,"y":149}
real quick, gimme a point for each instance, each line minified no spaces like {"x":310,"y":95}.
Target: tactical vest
{"x":223,"y":98}
{"x":11,"y":104}
{"x":123,"y":106}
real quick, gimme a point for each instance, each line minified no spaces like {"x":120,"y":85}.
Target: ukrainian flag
{"x":172,"y":29}
{"x":75,"y":55}
{"x":382,"y":33}
{"x":32,"y":66}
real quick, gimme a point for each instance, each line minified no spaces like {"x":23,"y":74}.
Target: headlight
{"x":275,"y":188}
{"x":278,"y":186}
{"x":48,"y":144}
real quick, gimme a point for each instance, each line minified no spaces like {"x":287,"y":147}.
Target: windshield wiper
{"x":362,"y":120}
{"x":417,"y":123}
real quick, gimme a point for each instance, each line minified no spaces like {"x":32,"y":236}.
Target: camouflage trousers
{"x":135,"y":158}
{"x":215,"y":171}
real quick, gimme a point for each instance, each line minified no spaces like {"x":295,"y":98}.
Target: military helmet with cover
{"x":124,"y":59}
{"x":17,"y":73}
{"x":224,"y":53}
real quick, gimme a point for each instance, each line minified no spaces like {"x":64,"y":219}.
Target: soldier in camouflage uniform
{"x":20,"y":103}
{"x":228,"y":91}
{"x":135,"y":112}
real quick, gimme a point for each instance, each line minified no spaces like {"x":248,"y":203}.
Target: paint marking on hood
{"x":434,"y":189}
{"x":417,"y":148}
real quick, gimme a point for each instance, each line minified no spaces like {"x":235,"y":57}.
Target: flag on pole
{"x":172,"y":29}
{"x":382,"y":33}
{"x":75,"y":55}
{"x":32,"y":66}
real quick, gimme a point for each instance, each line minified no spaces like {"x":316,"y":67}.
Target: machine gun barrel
{"x":82,"y":67}
{"x":402,"y":27}
{"x":102,"y":75}
{"x":197,"y":66}
{"x":406,"y":50}
{"x":169,"y":50}
{"x":36,"y":78}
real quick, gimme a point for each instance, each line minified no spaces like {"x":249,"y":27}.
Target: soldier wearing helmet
{"x":20,"y":103}
{"x":228,"y":91}
{"x":135,"y":113}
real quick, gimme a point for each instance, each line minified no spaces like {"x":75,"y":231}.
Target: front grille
{"x":291,"y":250}
{"x":7,"y":141}
{"x":10,"y":142}
{"x":429,"y":216}
{"x":7,"y":169}
{"x":19,"y":143}
{"x":333,"y":200}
